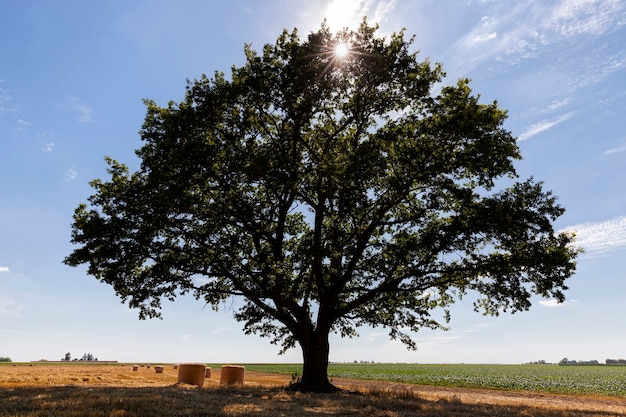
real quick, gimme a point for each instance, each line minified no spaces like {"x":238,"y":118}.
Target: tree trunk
{"x":315,"y":350}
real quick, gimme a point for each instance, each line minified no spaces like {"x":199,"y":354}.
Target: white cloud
{"x":542,"y":126}
{"x":344,"y":13}
{"x":616,"y":150}
{"x":574,"y":17}
{"x":84,"y":112}
{"x":22,"y":124}
{"x":374,"y":335}
{"x":551,"y":303}
{"x":46,"y":144}
{"x":71,"y":174}
{"x":485,"y":37}
{"x":597,"y":69}
{"x":47,"y":147}
{"x":5,"y":99}
{"x":451,"y":336}
{"x":522,"y":30}
{"x":602,"y":237}
{"x":383,"y":9}
{"x":4,"y":269}
{"x":558,"y":104}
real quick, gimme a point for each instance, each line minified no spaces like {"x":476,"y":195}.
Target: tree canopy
{"x":327,"y":191}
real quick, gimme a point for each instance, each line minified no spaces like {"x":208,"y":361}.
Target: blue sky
{"x":72,"y":78}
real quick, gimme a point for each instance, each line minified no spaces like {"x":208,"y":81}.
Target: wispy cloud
{"x":4,"y":269}
{"x":22,"y":124}
{"x":8,"y":307}
{"x":46,"y":144}
{"x":383,"y":9}
{"x":595,"y":70}
{"x":481,"y":33}
{"x":558,"y":104}
{"x":85,"y":113}
{"x":485,"y":37}
{"x":451,"y":336}
{"x":71,"y":174}
{"x":616,"y":150}
{"x":47,"y":147}
{"x":600,"y":238}
{"x":5,"y":102}
{"x":374,"y":335}
{"x":345,"y":13}
{"x":542,"y":126}
{"x":574,"y":17}
{"x":521,"y":30}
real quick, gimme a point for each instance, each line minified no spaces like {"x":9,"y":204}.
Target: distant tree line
{"x":5,"y":359}
{"x":566,"y":361}
{"x":86,"y":357}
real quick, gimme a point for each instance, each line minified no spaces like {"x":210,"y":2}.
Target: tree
{"x":326,"y":192}
{"x":68,"y":357}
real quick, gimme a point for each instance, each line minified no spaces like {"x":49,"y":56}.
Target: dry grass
{"x":92,"y":391}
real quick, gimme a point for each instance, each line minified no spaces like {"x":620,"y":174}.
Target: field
{"x":600,"y":380}
{"x":369,"y":389}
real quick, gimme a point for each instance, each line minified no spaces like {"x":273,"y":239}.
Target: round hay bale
{"x":191,"y":373}
{"x":175,"y":366}
{"x":147,"y":366}
{"x":135,"y":367}
{"x":158,"y":369}
{"x":232,"y":375}
{"x":208,"y":373}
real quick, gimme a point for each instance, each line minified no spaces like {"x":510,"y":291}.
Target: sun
{"x":342,"y":49}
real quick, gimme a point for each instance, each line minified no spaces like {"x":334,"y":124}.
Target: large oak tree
{"x":327,"y":191}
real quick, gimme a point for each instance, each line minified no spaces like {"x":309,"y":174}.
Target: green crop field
{"x":599,"y":379}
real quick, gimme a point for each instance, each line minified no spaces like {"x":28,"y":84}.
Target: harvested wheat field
{"x":117,"y":390}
